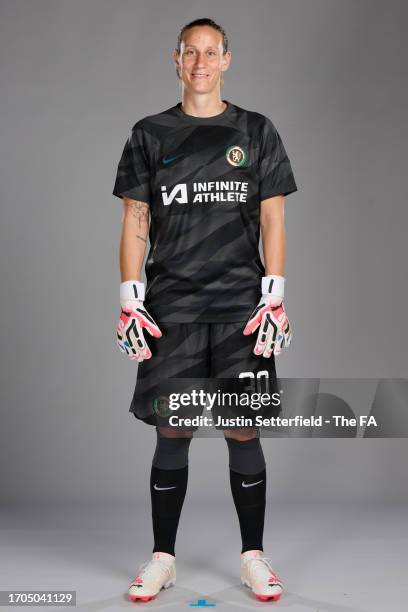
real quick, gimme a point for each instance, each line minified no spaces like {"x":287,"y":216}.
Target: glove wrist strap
{"x":273,"y":285}
{"x":132,"y":290}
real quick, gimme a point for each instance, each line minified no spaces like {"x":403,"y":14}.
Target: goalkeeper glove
{"x":270,"y":316}
{"x":134,"y":317}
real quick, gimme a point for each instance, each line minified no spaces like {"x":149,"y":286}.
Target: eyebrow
{"x":194,"y":47}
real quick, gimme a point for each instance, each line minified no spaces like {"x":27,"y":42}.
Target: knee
{"x":241,"y":433}
{"x":172,"y":432}
{"x":171,"y":453}
{"x":245,"y":456}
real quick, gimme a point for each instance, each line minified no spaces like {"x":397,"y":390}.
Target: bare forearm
{"x":135,"y":229}
{"x":274,"y":237}
{"x":274,"y":250}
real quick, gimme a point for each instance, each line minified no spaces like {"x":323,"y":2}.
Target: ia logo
{"x":178,"y":193}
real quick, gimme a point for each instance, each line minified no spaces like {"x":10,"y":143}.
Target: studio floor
{"x":332,"y":558}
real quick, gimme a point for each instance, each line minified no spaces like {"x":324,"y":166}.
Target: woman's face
{"x":201,"y":61}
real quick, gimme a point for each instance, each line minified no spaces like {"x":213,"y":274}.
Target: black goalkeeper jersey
{"x":204,"y":179}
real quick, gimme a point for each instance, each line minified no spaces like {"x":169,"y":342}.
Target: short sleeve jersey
{"x":204,"y":179}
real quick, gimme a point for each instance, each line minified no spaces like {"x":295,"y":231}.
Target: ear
{"x":226,"y":60}
{"x":176,"y":59}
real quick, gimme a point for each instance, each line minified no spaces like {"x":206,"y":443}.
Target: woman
{"x":208,"y":175}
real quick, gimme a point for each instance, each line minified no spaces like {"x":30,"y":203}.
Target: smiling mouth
{"x":199,"y":76}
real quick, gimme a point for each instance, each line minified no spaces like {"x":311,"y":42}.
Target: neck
{"x":203,"y":105}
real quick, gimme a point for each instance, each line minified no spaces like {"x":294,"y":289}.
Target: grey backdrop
{"x":75,"y":76}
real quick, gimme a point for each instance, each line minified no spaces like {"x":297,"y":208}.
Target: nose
{"x":200,"y":59}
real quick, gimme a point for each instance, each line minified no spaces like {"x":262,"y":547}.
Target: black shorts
{"x":209,"y":356}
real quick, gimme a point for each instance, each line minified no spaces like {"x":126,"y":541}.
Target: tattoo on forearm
{"x":140,"y":211}
{"x":140,"y":237}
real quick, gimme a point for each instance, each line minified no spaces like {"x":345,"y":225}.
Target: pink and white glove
{"x":134,"y":317}
{"x":274,"y":329}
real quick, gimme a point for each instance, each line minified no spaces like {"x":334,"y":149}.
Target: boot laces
{"x":148,"y":569}
{"x":256,"y":563}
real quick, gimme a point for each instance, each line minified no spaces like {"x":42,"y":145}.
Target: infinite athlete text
{"x":220,"y":191}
